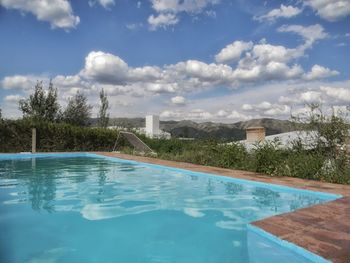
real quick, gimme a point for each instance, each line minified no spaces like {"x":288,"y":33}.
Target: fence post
{"x":34,"y":140}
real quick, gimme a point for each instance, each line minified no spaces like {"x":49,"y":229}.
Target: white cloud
{"x":237,"y":116}
{"x":168,"y":114}
{"x":104,"y":3}
{"x":266,"y":53}
{"x":265,"y":105}
{"x":222,"y":113}
{"x":266,"y":108}
{"x":58,"y":13}
{"x":105,"y":68}
{"x":271,"y":67}
{"x":162,"y":20}
{"x":194,"y":114}
{"x":176,"y":6}
{"x":213,"y":74}
{"x":167,"y":11}
{"x":247,"y":107}
{"x":318,"y":72}
{"x":257,"y":63}
{"x":342,"y":94}
{"x":278,"y":110}
{"x":134,"y":26}
{"x":311,"y":96}
{"x":178,"y":100}
{"x":13,"y":98}
{"x":281,"y":12}
{"x":310,"y":33}
{"x":199,"y":114}
{"x":287,"y":100}
{"x":161,"y":87}
{"x":233,"y":52}
{"x":19,"y":82}
{"x":331,"y":10}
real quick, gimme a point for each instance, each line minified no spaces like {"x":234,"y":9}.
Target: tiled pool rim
{"x":291,"y":246}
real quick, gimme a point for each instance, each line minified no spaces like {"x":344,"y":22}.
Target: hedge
{"x":16,"y":136}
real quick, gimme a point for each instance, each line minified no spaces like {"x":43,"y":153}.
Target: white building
{"x":152,"y":129}
{"x":152,"y":126}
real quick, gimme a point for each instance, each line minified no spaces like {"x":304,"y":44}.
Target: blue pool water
{"x":87,"y":208}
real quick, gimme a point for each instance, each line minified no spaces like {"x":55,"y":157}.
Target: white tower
{"x":152,"y":125}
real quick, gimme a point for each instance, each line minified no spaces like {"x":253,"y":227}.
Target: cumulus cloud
{"x":18,"y":82}
{"x":310,"y":96}
{"x":197,"y":72}
{"x":178,"y":100}
{"x":256,"y":64}
{"x":233,"y":52}
{"x":237,"y":116}
{"x":58,"y":13}
{"x":266,"y":108}
{"x":278,"y":110}
{"x":167,"y":11}
{"x":176,"y":6}
{"x":318,"y":72}
{"x":331,"y":10}
{"x":342,"y":94}
{"x":194,"y":114}
{"x":162,"y":20}
{"x":310,"y":33}
{"x":105,"y":68}
{"x":287,"y":100}
{"x":13,"y":98}
{"x":222,"y":113}
{"x":105,"y":3}
{"x":281,"y":12}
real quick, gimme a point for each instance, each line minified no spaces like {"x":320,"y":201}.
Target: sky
{"x":203,"y":60}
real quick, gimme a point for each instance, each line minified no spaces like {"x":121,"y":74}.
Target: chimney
{"x":255,"y":134}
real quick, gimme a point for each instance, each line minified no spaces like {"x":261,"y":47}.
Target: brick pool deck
{"x":323,"y":229}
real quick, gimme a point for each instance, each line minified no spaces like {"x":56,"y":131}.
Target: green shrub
{"x":268,"y":157}
{"x":15,"y":136}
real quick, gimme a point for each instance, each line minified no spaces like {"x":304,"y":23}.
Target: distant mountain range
{"x":206,"y":130}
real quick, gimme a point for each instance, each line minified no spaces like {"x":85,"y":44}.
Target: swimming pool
{"x":91,"y":208}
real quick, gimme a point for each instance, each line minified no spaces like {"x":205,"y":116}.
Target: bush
{"x":15,"y":136}
{"x":268,"y":157}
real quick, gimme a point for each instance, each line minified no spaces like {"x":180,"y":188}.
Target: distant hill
{"x":206,"y":130}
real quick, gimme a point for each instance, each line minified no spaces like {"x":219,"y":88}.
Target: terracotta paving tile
{"x":323,"y":229}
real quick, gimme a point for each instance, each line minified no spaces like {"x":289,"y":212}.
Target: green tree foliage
{"x":0,"y":115}
{"x":41,"y":105}
{"x":78,"y":111}
{"x":103,"y":115}
{"x":52,"y":107}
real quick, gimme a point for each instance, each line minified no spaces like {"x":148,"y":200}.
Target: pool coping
{"x":322,"y":229}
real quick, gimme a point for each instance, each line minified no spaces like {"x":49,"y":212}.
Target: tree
{"x":328,"y":131}
{"x":104,"y":105}
{"x":0,"y":115}
{"x":41,"y":106}
{"x":52,"y":107}
{"x":78,"y":111}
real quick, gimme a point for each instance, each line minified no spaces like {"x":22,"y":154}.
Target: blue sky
{"x":214,"y":60}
